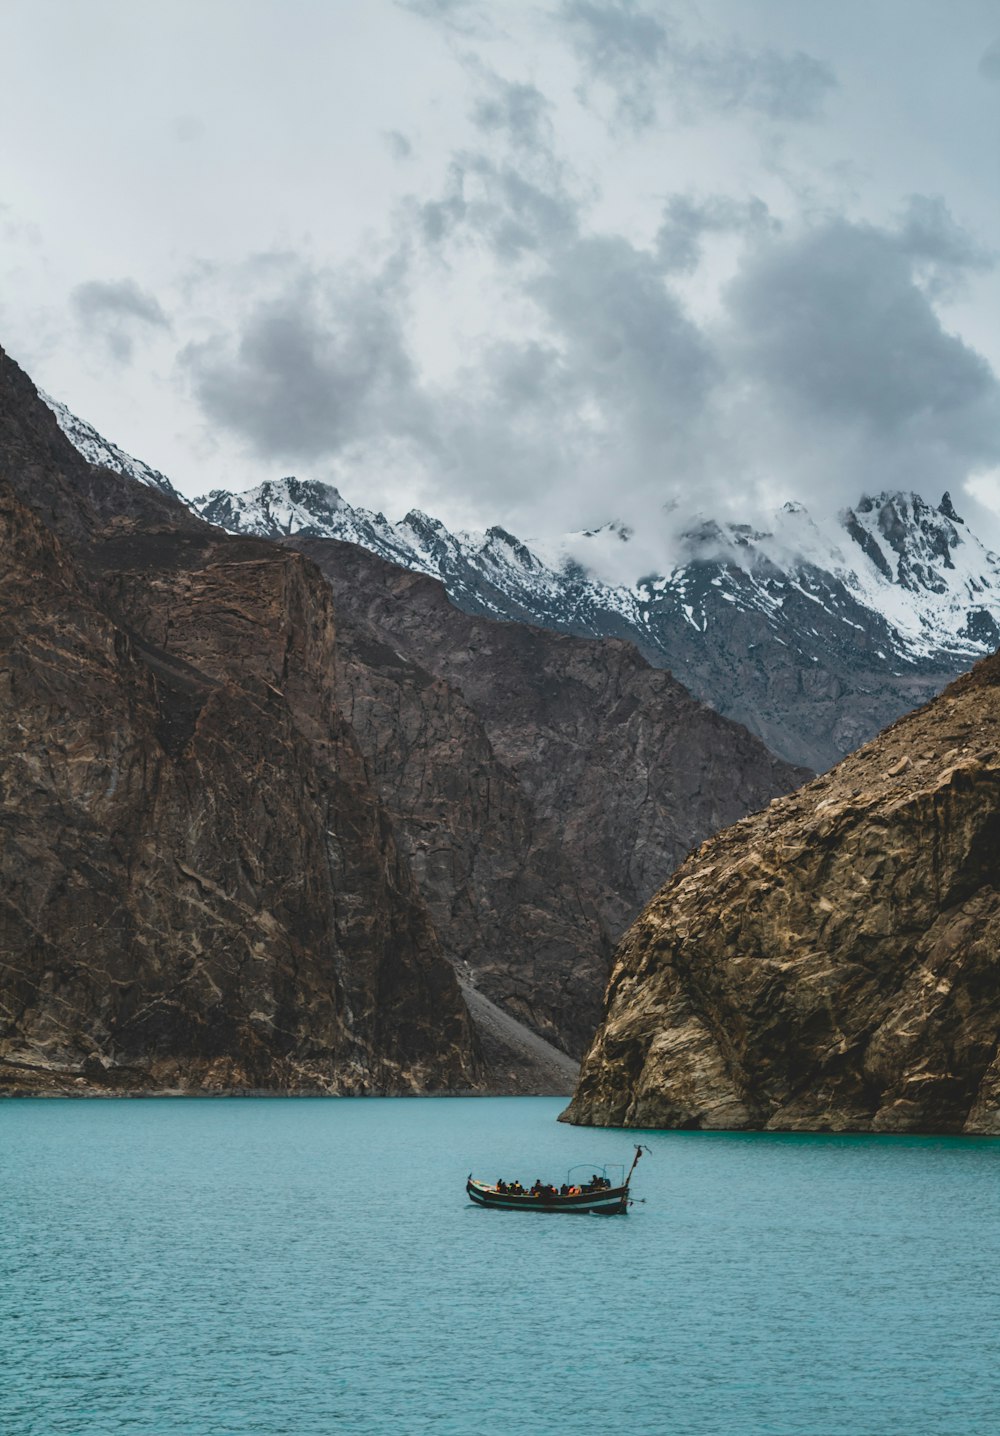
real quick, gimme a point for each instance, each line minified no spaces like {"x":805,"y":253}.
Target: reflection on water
{"x":198,"y":1268}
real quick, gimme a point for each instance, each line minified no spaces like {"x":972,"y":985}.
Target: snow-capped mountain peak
{"x":916,"y":566}
{"x":282,"y":506}
{"x":921,"y":568}
{"x":812,"y":631}
{"x":98,"y":450}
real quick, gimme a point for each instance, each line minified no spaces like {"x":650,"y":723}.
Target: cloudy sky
{"x":543,"y":264}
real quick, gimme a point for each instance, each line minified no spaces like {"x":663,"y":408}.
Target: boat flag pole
{"x":635,"y":1160}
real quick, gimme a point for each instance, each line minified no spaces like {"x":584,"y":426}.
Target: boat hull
{"x":606,"y":1203}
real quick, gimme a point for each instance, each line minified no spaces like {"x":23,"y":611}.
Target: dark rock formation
{"x":831,"y":963}
{"x":255,"y":822}
{"x":200,"y":888}
{"x":540,"y":785}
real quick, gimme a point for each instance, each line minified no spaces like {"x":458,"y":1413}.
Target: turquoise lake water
{"x":201,"y":1268}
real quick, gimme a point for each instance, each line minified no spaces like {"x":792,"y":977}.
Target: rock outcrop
{"x":540,"y":785}
{"x":832,"y":963}
{"x":199,"y":887}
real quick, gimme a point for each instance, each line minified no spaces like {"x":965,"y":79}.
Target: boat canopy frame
{"x":595,"y":1170}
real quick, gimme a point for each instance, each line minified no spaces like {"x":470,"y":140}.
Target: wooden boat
{"x":605,"y":1200}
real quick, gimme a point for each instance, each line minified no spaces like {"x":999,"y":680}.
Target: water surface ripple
{"x":260,"y":1267}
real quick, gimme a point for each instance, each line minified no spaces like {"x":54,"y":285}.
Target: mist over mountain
{"x":813,"y":633}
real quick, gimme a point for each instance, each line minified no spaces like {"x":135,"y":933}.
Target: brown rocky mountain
{"x":255,"y":822}
{"x":540,"y":785}
{"x":200,"y":888}
{"x":832,"y":963}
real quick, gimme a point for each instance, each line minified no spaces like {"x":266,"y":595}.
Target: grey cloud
{"x":188,"y":128}
{"x":529,"y":214}
{"x":945,"y":253}
{"x":437,"y":219}
{"x":521,"y":374}
{"x":520,"y":112}
{"x":989,"y":63}
{"x":399,"y":146}
{"x":781,"y":87}
{"x":19,"y":231}
{"x":647,"y":62}
{"x":115,"y":311}
{"x":514,"y":192}
{"x":120,"y":298}
{"x":313,"y":368}
{"x":624,"y":336}
{"x":608,"y":391}
{"x":517,"y":196}
{"x":828,"y":372}
{"x":845,"y":355}
{"x":686,"y":220}
{"x":462,"y":17}
{"x":500,"y":203}
{"x":623,"y":48}
{"x":596,"y":408}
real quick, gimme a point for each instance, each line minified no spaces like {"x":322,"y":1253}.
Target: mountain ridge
{"x":813,"y":635}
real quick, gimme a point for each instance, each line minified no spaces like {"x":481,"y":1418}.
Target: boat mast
{"x":638,"y":1153}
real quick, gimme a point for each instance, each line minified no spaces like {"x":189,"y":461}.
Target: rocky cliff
{"x":831,"y":963}
{"x":199,"y":887}
{"x":540,"y":785}
{"x":266,"y":831}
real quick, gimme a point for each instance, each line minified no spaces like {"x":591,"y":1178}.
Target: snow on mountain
{"x":281,"y":507}
{"x":491,"y":572}
{"x":98,"y":450}
{"x":926,"y":573}
{"x":918,"y":568}
{"x":813,"y":632}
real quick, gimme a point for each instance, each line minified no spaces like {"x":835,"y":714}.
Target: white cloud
{"x":540,"y":274}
